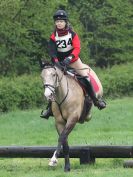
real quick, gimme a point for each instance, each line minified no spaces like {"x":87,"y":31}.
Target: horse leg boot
{"x":48,"y":112}
{"x":89,"y":88}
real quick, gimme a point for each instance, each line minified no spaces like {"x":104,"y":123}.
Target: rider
{"x":64,"y":45}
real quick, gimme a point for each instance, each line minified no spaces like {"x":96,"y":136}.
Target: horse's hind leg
{"x":89,"y":105}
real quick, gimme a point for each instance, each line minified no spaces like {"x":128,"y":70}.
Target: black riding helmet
{"x":60,"y":15}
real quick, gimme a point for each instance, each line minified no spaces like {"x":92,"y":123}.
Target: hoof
{"x":67,"y":170}
{"x":53,"y":163}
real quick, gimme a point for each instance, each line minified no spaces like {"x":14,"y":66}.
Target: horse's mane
{"x":60,"y":66}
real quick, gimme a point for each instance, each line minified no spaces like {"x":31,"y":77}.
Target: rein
{"x":59,"y":104}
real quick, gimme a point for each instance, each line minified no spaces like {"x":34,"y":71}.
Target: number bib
{"x":64,"y":43}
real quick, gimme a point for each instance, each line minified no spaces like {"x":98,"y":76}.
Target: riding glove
{"x":67,"y":60}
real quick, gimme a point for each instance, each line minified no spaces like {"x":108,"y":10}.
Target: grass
{"x":112,"y":126}
{"x":39,"y":168}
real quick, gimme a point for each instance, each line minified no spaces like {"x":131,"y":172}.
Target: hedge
{"x":117,"y":81}
{"x":27,"y":91}
{"x":22,"y":92}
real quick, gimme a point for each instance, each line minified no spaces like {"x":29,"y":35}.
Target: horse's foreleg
{"x":63,"y":141}
{"x":66,"y":155}
{"x":53,"y":161}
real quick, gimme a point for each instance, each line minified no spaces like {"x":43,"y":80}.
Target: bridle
{"x":53,"y":88}
{"x":49,"y":86}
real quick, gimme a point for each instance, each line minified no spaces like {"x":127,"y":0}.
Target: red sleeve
{"x":52,"y":36}
{"x":76,"y":47}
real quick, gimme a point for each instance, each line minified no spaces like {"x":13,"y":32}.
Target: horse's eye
{"x":54,"y":75}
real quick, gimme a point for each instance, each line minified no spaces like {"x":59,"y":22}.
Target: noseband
{"x":49,"y":87}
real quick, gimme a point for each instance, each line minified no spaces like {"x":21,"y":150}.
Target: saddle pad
{"x":94,"y":83}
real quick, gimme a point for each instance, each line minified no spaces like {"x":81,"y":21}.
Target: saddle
{"x":87,"y":101}
{"x":78,"y":78}
{"x":72,"y":72}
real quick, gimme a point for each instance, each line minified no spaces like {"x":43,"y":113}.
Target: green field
{"x":112,"y":126}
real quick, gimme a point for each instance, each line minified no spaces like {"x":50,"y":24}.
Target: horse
{"x":69,"y":106}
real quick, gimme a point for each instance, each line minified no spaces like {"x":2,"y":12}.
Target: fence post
{"x":85,"y":157}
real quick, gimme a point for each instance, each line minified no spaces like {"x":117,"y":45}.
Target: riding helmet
{"x":60,"y":15}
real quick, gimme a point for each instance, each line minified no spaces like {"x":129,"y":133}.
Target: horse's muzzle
{"x":49,"y":94}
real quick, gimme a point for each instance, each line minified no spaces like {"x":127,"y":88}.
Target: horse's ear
{"x":43,"y":63}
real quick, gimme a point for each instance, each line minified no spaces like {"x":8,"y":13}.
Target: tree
{"x":108,"y":26}
{"x":24,"y":33}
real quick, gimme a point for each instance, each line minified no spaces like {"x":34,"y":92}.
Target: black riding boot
{"x":48,"y":112}
{"x":97,"y":102}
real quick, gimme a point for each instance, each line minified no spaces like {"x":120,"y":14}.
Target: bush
{"x":117,"y":81}
{"x":22,"y":92}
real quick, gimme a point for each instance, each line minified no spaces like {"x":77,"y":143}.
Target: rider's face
{"x":60,"y":24}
